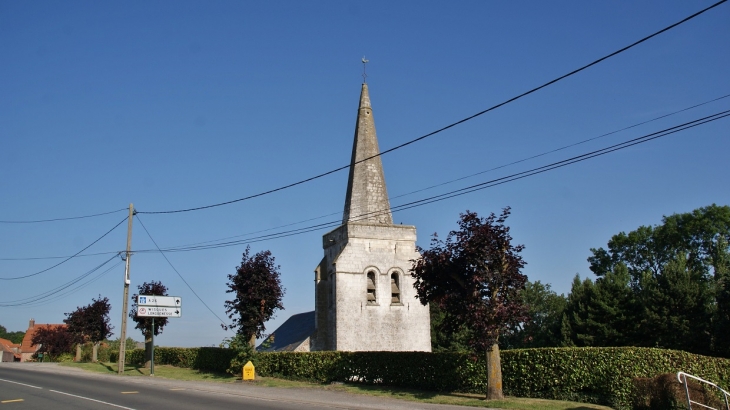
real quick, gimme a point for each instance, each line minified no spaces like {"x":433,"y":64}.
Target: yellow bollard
{"x":249,"y":371}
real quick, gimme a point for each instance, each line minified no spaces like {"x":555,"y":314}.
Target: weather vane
{"x":364,"y":74}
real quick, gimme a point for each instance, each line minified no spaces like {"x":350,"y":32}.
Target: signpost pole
{"x":152,"y":358}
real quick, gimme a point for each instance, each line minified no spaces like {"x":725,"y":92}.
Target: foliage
{"x":15,"y":337}
{"x":61,"y":358}
{"x":593,"y":375}
{"x":114,"y":344}
{"x":658,"y":286}
{"x":257,"y":291}
{"x":475,"y":277}
{"x":445,"y":341}
{"x":91,"y":322}
{"x":202,"y":358}
{"x":243,"y":351}
{"x":601,"y":314}
{"x":545,"y":310}
{"x":54,"y":340}
{"x":103,"y":354}
{"x":144,"y":324}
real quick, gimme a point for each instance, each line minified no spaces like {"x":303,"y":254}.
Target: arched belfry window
{"x":372,"y":297}
{"x":394,"y":288}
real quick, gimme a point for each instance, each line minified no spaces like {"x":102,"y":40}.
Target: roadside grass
{"x":463,"y":399}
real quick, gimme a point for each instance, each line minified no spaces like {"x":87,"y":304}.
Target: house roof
{"x":27,"y":345}
{"x":8,"y":346}
{"x":291,"y":333}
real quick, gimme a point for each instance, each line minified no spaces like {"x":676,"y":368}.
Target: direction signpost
{"x":163,"y":301}
{"x":144,"y":311}
{"x":158,"y":306}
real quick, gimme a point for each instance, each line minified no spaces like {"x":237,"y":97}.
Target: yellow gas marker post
{"x":249,"y":371}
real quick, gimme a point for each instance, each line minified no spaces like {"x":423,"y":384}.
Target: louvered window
{"x":371,"y":289}
{"x":394,"y":288}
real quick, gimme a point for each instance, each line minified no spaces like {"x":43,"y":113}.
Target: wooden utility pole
{"x":125,"y":298}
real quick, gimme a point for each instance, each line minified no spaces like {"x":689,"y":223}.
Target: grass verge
{"x":176,"y":373}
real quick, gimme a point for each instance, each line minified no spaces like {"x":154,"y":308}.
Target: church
{"x":364,"y":295}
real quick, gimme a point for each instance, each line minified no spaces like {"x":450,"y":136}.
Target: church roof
{"x":291,"y":333}
{"x":367,"y":197}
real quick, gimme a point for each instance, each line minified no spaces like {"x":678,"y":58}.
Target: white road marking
{"x":22,"y":384}
{"x":90,"y":399}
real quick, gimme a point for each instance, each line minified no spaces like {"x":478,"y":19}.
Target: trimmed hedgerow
{"x":600,"y":375}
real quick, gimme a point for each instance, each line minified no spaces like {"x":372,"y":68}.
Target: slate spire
{"x":367,"y":197}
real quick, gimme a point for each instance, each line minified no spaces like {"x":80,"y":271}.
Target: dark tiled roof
{"x":291,"y":333}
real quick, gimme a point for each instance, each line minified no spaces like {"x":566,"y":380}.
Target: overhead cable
{"x":178,"y":273}
{"x":494,"y":107}
{"x":70,"y":257}
{"x":62,"y":219}
{"x":466,"y":190}
{"x":54,"y":291}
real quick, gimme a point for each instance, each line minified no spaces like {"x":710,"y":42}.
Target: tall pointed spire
{"x":367,"y":197}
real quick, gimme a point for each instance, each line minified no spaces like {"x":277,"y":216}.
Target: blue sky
{"x":172,"y":105}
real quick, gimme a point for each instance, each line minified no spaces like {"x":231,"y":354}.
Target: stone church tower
{"x":364,"y":295}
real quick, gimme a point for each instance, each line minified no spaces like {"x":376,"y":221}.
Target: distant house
{"x":27,"y":348}
{"x":9,"y":351}
{"x":291,"y":336}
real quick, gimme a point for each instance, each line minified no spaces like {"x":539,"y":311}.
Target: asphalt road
{"x":48,"y":386}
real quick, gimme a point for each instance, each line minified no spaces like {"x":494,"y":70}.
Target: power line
{"x":494,"y":107}
{"x":62,"y":219}
{"x":464,"y":177}
{"x":401,"y":195}
{"x":411,"y":192}
{"x":560,"y":164}
{"x":70,"y":257}
{"x":57,"y":257}
{"x":54,"y":291}
{"x":562,"y":148}
{"x":178,"y":273}
{"x":466,"y":190}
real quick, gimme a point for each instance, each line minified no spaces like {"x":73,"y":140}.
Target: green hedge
{"x":201,"y":358}
{"x":599,"y":375}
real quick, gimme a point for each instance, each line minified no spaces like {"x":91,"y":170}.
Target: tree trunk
{"x":147,"y":352}
{"x":94,"y":352}
{"x":78,"y":353}
{"x":252,"y":342}
{"x":494,"y":374}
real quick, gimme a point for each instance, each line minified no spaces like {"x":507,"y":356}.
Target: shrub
{"x":600,"y":375}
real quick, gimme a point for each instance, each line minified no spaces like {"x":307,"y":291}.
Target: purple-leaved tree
{"x":474,"y":276}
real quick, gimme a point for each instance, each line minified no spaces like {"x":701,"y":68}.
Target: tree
{"x":676,"y":309}
{"x":545,"y":310}
{"x":721,"y":320}
{"x":144,"y":324}
{"x":54,"y":340}
{"x":15,"y":337}
{"x":90,"y":324}
{"x":444,"y":340}
{"x":678,"y":273}
{"x":602,"y":313}
{"x":257,"y":291}
{"x":474,"y":276}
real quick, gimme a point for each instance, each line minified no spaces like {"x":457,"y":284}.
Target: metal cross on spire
{"x":364,"y":74}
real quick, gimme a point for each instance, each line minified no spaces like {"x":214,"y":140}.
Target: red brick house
{"x":27,"y":348}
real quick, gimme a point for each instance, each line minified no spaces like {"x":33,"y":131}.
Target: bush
{"x":665,"y":392}
{"x":600,"y":375}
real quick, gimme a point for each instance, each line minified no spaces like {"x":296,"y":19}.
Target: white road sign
{"x":155,"y":311}
{"x":168,"y":301}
